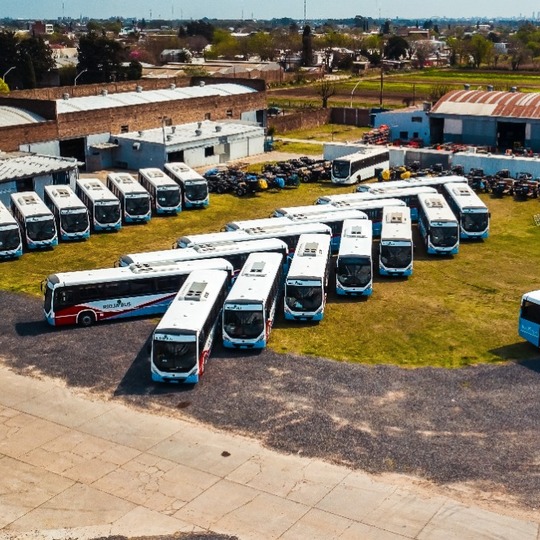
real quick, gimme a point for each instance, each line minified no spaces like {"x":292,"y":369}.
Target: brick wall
{"x":301,"y":120}
{"x":350,"y":116}
{"x":11,"y":137}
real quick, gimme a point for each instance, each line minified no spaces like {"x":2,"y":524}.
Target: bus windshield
{"x":74,"y":221}
{"x":107,"y":213}
{"x":444,"y":236}
{"x":243,"y":324}
{"x":304,"y":297}
{"x":168,"y":196}
{"x":396,"y":256}
{"x":40,"y":228}
{"x":474,"y":222}
{"x":137,"y":205}
{"x":9,"y":237}
{"x":175,"y":355}
{"x":341,"y":168}
{"x":196,"y":192}
{"x":354,"y":272}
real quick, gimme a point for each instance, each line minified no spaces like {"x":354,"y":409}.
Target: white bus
{"x":102,"y":204}
{"x":134,"y":199}
{"x":258,"y":223}
{"x":234,"y":252}
{"x":164,"y":191}
{"x":250,"y":308}
{"x":306,"y":283}
{"x":194,"y":187}
{"x":469,"y":209}
{"x":529,"y":317}
{"x":354,"y":263}
{"x":373,"y":208}
{"x":436,"y":182}
{"x":35,"y":219}
{"x":183,"y":338}
{"x":360,"y":165}
{"x":70,"y":213}
{"x":84,"y":297}
{"x":437,"y":225}
{"x":190,"y":240}
{"x":396,"y":245}
{"x":10,"y":235}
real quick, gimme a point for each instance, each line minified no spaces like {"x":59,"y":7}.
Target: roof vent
{"x":138,"y":89}
{"x":490,"y":88}
{"x":218,"y":128}
{"x":140,"y":132}
{"x":201,"y":83}
{"x":513,"y":89}
{"x":65,"y":96}
{"x":467,"y":86}
{"x":198,"y":132}
{"x":172,"y":86}
{"x":169,"y":137}
{"x":395,"y":217}
{"x":196,"y":290}
{"x":310,"y":249}
{"x":104,"y":92}
{"x":199,"y":125}
{"x":426,"y":106}
{"x":173,"y":129}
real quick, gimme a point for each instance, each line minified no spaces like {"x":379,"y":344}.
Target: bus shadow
{"x":522,"y":353}
{"x":34,"y":328}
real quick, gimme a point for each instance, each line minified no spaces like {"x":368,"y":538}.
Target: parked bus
{"x":437,"y":225}
{"x":529,"y":317}
{"x":193,"y":186}
{"x":396,"y":245}
{"x":354,"y":263}
{"x":134,"y":199}
{"x":372,"y":208}
{"x":164,"y":191}
{"x":10,"y":235}
{"x":436,"y":182}
{"x":258,"y":223}
{"x":360,"y":165}
{"x":70,"y":213}
{"x":250,"y":308}
{"x":35,"y":220}
{"x":88,"y":296}
{"x":307,"y":280}
{"x":234,"y":252}
{"x":183,"y":339}
{"x":471,"y":212}
{"x":190,"y":240}
{"x":103,"y":206}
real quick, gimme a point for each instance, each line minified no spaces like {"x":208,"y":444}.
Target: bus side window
{"x":531,"y":312}
{"x":65,"y":297}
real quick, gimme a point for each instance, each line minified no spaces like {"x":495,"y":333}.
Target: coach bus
{"x":396,"y":244}
{"x":183,"y":338}
{"x":134,"y":199}
{"x":361,"y":165}
{"x":10,"y":235}
{"x":354,"y":263}
{"x":437,"y":225}
{"x":87,"y":296}
{"x":250,"y":308}
{"x":35,"y":220}
{"x":193,"y":186}
{"x":70,"y":213}
{"x":306,"y":283}
{"x":164,"y":192}
{"x":190,"y":240}
{"x":234,"y":252}
{"x":257,"y":223}
{"x":529,"y":317}
{"x":103,"y":206}
{"x":470,"y":211}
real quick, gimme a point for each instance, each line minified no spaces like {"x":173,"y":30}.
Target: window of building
{"x":403,"y":134}
{"x":416,"y":119}
{"x":229,"y":113}
{"x":207,"y":116}
{"x":124,"y":129}
{"x":209,"y":151}
{"x":415,"y":135}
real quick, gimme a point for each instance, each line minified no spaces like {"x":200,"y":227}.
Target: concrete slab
{"x":17,"y":389}
{"x":317,"y":525}
{"x":362,"y":531}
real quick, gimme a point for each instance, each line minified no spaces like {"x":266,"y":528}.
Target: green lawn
{"x":449,"y":313}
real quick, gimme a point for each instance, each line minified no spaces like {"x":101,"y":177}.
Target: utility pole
{"x":304,"y":13}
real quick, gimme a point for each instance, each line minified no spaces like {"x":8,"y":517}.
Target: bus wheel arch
{"x":86,"y":318}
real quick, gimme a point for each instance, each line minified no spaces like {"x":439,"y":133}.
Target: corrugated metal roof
{"x":489,"y":103}
{"x":14,"y":116}
{"x":12,"y":168}
{"x":124,"y":99}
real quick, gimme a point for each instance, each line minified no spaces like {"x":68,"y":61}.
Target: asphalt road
{"x":476,"y":427}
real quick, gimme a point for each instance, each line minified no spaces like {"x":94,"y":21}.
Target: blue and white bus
{"x":437,"y":225}
{"x":529,"y":317}
{"x":234,"y":252}
{"x":190,"y":240}
{"x":354,"y":262}
{"x":70,"y":213}
{"x":361,"y":165}
{"x":165,"y":196}
{"x":103,"y":206}
{"x":11,"y":245}
{"x":469,"y":209}
{"x":35,"y":220}
{"x":396,"y":245}
{"x":134,"y":199}
{"x":306,"y":284}
{"x":373,"y":208}
{"x":183,"y":339}
{"x":193,"y":186}
{"x":250,"y":308}
{"x":436,"y":182}
{"x":259,"y":223}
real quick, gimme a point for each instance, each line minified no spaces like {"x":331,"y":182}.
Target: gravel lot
{"x":471,"y":433}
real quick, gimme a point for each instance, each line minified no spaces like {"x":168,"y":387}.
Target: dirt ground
{"x":471,"y":434}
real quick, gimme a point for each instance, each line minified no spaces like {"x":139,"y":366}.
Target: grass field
{"x":451,"y":312}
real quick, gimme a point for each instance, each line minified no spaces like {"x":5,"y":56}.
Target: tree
{"x":27,"y":73}
{"x":40,"y":55}
{"x":134,"y":70}
{"x":307,"y":46}
{"x":326,"y":90}
{"x":4,"y":88}
{"x":423,"y":50}
{"x":8,"y":51}
{"x":396,"y":48}
{"x":480,"y":49}
{"x":102,"y":57}
{"x":200,"y":28}
{"x":262,"y":44}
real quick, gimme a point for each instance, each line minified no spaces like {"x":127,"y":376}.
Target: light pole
{"x":355,"y":86}
{"x":5,"y":74}
{"x":75,"y":81}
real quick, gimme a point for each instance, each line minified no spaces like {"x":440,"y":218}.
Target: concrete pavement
{"x":73,"y":468}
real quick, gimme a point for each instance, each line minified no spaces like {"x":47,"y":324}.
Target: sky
{"x":260,"y":9}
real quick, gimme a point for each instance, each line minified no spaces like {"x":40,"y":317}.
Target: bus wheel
{"x":87,"y":318}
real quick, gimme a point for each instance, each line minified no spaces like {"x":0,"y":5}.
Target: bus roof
{"x":29,"y":204}
{"x":398,"y":192}
{"x":396,"y":223}
{"x":96,"y":189}
{"x":63,"y":197}
{"x":362,"y":153}
{"x":464,"y":196}
{"x":157,"y":177}
{"x":356,"y":238}
{"x":327,"y":216}
{"x":436,"y":208}
{"x":181,"y":171}
{"x":256,"y":278}
{"x":210,"y":238}
{"x":532,"y":296}
{"x":310,"y":258}
{"x":368,"y":204}
{"x":136,"y":271}
{"x":256,"y":223}
{"x":6,"y":217}
{"x":291,"y":228}
{"x":126,"y":183}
